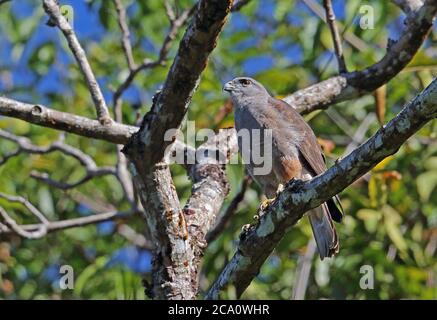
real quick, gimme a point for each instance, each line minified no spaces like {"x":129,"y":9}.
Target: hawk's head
{"x":243,"y":87}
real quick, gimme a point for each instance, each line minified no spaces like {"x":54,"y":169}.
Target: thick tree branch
{"x":409,"y":5}
{"x":171,"y":104}
{"x":174,"y":270}
{"x":358,"y":83}
{"x":258,"y":241}
{"x":210,"y":188}
{"x":47,"y":117}
{"x":52,"y":9}
{"x":173,"y":256}
{"x":224,"y":219}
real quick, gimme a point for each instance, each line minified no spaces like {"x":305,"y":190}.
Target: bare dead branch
{"x":258,"y":241}
{"x":134,"y":237}
{"x":47,"y":117}
{"x":32,"y":209}
{"x":125,"y":40}
{"x":150,"y":64}
{"x":37,"y":231}
{"x":330,"y":18}
{"x":354,"y":84}
{"x":52,"y":9}
{"x":19,"y":230}
{"x":92,"y":171}
{"x":348,"y":36}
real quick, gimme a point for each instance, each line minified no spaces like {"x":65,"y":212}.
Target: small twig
{"x":330,"y":19}
{"x":10,"y":223}
{"x":91,"y":174}
{"x":52,"y":9}
{"x":169,"y":11}
{"x":25,"y":145}
{"x":303,"y":271}
{"x":125,"y":40}
{"x":27,"y":204}
{"x":351,"y":38}
{"x":124,"y":176}
{"x":150,"y":64}
{"x":229,"y":213}
{"x":134,"y":237}
{"x":36,"y":231}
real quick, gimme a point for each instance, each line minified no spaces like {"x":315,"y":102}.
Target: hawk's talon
{"x":265,"y":204}
{"x":280,"y":189}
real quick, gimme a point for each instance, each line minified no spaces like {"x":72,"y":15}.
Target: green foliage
{"x":391,"y":213}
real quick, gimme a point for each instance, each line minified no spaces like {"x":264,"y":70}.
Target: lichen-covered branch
{"x":174,"y":275}
{"x":259,"y":240}
{"x":224,"y":219}
{"x":210,"y":188}
{"x":354,"y":84}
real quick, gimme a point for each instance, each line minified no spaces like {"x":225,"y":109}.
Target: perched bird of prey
{"x":295,"y":152}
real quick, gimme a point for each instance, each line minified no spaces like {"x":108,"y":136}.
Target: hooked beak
{"x":228,"y":86}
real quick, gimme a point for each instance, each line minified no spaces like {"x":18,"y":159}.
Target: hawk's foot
{"x":265,"y":204}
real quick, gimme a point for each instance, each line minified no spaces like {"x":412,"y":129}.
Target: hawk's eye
{"x":245,"y":82}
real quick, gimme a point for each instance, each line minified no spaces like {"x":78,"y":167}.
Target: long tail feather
{"x":324,"y":231}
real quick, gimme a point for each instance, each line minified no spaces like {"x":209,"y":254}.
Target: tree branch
{"x":47,"y":117}
{"x":358,"y":83}
{"x":330,"y":19}
{"x":170,"y":106}
{"x":230,"y":211}
{"x":209,"y":190}
{"x":258,"y":241}
{"x":36,"y":231}
{"x":25,"y":145}
{"x":409,"y":5}
{"x":174,"y":270}
{"x":52,"y":9}
{"x":149,"y":64}
{"x":125,"y":39}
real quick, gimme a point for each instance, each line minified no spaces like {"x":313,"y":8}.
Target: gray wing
{"x":300,"y":132}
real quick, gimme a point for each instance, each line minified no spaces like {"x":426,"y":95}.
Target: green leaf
{"x":392,"y":221}
{"x":426,"y":183}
